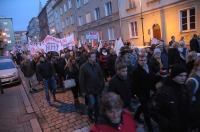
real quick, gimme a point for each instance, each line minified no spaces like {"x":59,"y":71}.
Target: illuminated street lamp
{"x":4,"y":34}
{"x":141,"y":17}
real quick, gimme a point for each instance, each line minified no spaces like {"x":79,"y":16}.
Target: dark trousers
{"x":144,"y":108}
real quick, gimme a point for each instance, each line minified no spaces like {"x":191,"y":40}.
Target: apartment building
{"x":101,"y":16}
{"x":33,"y":29}
{"x":7,"y":39}
{"x":161,"y":19}
{"x":20,"y":39}
{"x":51,"y":18}
{"x":43,"y":22}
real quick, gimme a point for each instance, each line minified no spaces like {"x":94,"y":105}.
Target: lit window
{"x":97,"y":13}
{"x":7,"y":35}
{"x":70,"y":4}
{"x":56,"y":14}
{"x":6,"y":29}
{"x":111,"y":34}
{"x":88,"y":17}
{"x":9,"y":41}
{"x":78,"y":3}
{"x":187,"y":19}
{"x":133,"y":29}
{"x":108,"y":8}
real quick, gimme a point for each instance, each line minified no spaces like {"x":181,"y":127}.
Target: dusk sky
{"x":21,"y":11}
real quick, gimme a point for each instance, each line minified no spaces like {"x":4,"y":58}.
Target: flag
{"x":79,"y":44}
{"x":100,"y":46}
{"x":118,"y":44}
{"x":94,"y":44}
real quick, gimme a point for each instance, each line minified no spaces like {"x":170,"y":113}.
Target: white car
{"x":8,"y":71}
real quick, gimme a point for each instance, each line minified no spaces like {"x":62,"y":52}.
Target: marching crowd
{"x":164,"y":79}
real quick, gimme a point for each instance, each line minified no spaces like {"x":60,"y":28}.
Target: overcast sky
{"x":21,"y":11}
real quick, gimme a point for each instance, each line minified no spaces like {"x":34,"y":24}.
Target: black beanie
{"x":177,"y":69}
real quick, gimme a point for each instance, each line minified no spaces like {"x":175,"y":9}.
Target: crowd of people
{"x":164,"y":79}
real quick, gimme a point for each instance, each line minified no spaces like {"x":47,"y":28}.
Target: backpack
{"x":195,"y":89}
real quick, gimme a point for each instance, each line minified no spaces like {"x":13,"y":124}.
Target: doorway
{"x":156,"y":31}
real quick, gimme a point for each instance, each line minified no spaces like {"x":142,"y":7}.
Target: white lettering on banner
{"x":91,"y":35}
{"x":52,"y":47}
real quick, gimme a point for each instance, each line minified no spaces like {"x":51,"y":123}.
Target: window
{"x":133,"y":29}
{"x":80,"y":21}
{"x":108,"y":8}
{"x":61,"y":11}
{"x":5,"y":23}
{"x":88,"y":17}
{"x":187,"y":19}
{"x":131,"y":3}
{"x":67,"y":22}
{"x":111,"y":33}
{"x":56,"y":14}
{"x":97,"y":13}
{"x":72,"y":19}
{"x":70,"y":4}
{"x":100,"y":35}
{"x":6,"y":29}
{"x":9,"y":41}
{"x":63,"y":25}
{"x":85,"y":1}
{"x":78,"y":3}
{"x":7,"y":35}
{"x":83,"y":39}
{"x":65,"y":7}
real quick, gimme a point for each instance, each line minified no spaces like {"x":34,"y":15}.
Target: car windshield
{"x":6,"y":65}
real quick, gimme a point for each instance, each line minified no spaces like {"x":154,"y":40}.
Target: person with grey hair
{"x":113,"y":117}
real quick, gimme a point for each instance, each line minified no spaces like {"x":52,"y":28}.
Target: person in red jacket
{"x":113,"y":117}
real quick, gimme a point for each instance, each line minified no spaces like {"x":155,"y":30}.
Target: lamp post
{"x":141,"y":17}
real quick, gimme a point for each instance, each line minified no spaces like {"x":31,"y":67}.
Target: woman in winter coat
{"x":113,"y":117}
{"x":193,"y":84}
{"x":169,"y":106}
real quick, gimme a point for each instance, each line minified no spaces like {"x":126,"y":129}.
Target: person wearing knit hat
{"x":170,"y":105}
{"x":177,"y":69}
{"x":156,"y":51}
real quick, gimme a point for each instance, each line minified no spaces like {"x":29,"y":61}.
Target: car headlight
{"x":15,"y":74}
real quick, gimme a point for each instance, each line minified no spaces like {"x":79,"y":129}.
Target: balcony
{"x":149,"y":2}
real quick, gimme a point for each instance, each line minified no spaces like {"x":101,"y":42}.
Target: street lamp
{"x":141,"y":17}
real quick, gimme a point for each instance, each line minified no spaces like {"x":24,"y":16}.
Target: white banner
{"x":51,"y":44}
{"x":92,"y":35}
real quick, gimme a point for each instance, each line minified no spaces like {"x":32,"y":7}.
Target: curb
{"x":29,"y":109}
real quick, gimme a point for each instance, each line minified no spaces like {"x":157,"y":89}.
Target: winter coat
{"x":189,"y":65}
{"x":121,"y":87}
{"x":104,"y":61}
{"x":169,"y":107}
{"x":91,"y":78}
{"x":60,"y":65}
{"x":173,"y":56}
{"x":195,"y":105}
{"x":45,"y":70}
{"x":27,"y":68}
{"x":142,"y":82}
{"x":194,"y":45}
{"x":127,"y":124}
{"x":111,"y":63}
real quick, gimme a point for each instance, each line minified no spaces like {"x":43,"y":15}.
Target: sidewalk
{"x":62,"y":116}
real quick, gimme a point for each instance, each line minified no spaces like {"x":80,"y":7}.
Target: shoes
{"x":50,"y":104}
{"x":34,"y":89}
{"x":139,"y":120}
{"x":31,"y":91}
{"x":54,"y":98}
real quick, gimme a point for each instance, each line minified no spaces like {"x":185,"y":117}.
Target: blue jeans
{"x":50,"y":84}
{"x":93,"y":105}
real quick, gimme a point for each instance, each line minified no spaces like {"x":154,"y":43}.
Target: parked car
{"x":8,"y":71}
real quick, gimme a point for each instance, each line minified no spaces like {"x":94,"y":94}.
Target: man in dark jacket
{"x":121,"y":84}
{"x":91,"y":84}
{"x":194,"y":44}
{"x":46,"y":72}
{"x":29,"y":73}
{"x":169,"y":106}
{"x":142,"y":83}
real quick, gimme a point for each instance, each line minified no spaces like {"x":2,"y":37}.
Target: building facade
{"x":33,"y":29}
{"x":20,"y":40}
{"x":7,"y":39}
{"x":43,"y":22}
{"x":161,"y":19}
{"x":50,"y":17}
